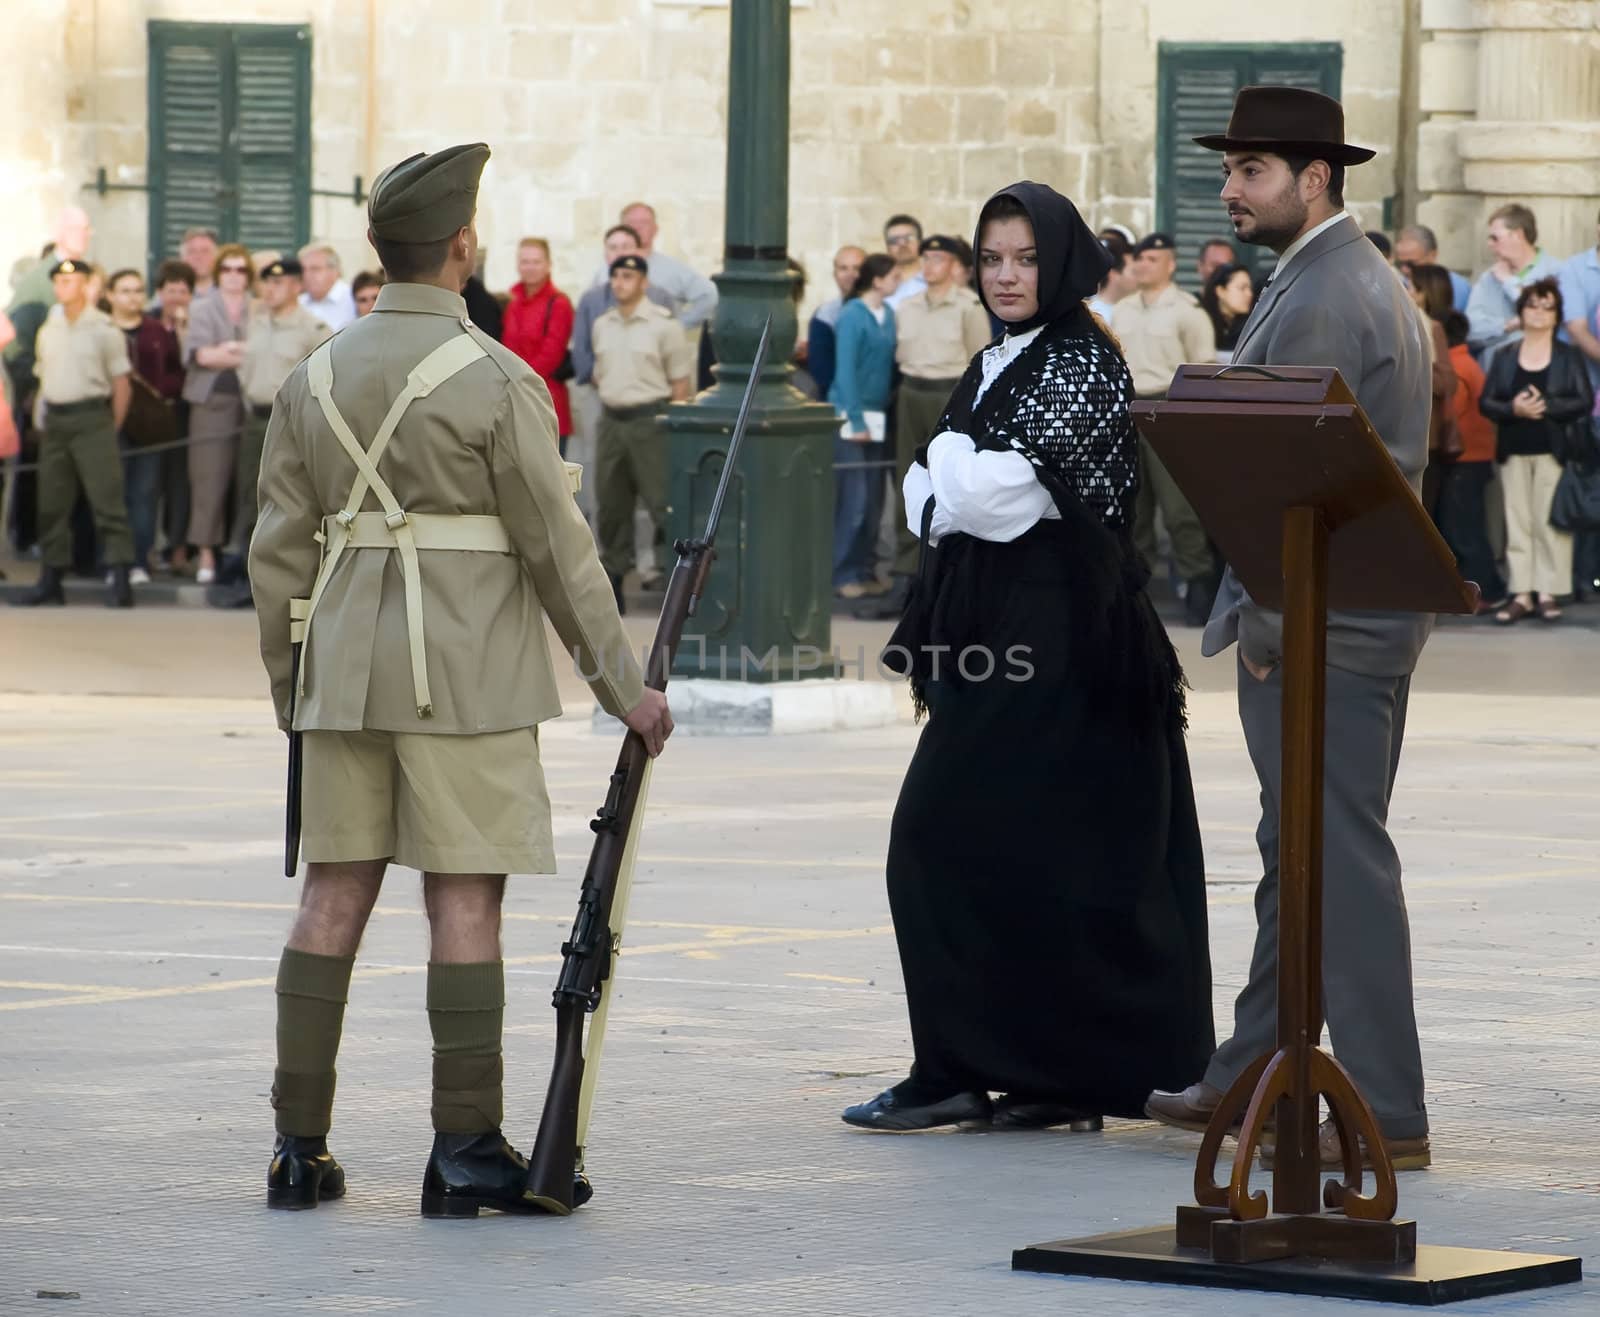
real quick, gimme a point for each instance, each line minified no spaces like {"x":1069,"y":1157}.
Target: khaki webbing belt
{"x":399,"y":533}
{"x":429,"y":530}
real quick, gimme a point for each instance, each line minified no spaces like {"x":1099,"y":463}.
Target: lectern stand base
{"x":1439,"y":1275}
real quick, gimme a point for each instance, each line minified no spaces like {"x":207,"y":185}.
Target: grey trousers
{"x":1366,"y":936}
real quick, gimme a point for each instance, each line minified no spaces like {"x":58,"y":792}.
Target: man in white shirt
{"x":1119,"y":279}
{"x":902,"y":239}
{"x":693,"y":296}
{"x":326,"y":295}
{"x":1518,"y":261}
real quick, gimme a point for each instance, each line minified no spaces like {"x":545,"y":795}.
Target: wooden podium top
{"x":1247,"y":443}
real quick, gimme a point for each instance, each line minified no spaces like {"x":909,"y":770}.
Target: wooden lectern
{"x":1312,"y":513}
{"x":1300,"y":494}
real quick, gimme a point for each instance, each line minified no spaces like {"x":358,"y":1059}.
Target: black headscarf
{"x":1072,"y":263}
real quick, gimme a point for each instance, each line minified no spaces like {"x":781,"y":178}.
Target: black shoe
{"x":1197,"y":601}
{"x":236,"y":595}
{"x":655,"y":583}
{"x":896,"y":1115}
{"x":616,"y":592}
{"x":468,"y":1172}
{"x":1015,"y":1113}
{"x":302,"y":1174}
{"x":119,"y":591}
{"x":889,"y":607}
{"x":47,"y":591}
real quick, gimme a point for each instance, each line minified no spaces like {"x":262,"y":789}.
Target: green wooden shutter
{"x":273,"y":137}
{"x":230,"y":134}
{"x":1197,"y":87}
{"x":188,"y":133}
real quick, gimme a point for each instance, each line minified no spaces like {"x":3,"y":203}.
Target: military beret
{"x":70,"y":267}
{"x":427,"y":197}
{"x":1155,"y":242}
{"x":286,"y":266}
{"x":631,"y":262}
{"x":937,"y":242}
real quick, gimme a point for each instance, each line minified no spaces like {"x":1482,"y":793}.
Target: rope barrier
{"x":190,"y":441}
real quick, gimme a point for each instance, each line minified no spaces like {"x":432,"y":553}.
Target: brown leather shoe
{"x":1188,"y":1110}
{"x":1406,"y":1154}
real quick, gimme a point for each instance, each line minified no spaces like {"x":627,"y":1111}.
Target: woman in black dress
{"x":1045,"y":870}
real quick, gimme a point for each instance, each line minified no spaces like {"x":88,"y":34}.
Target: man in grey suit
{"x":1331,"y":301}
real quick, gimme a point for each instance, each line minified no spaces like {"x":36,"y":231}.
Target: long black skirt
{"x":1045,"y":868}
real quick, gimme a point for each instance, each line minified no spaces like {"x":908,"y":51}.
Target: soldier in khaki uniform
{"x":81,"y":359}
{"x":642,"y":361}
{"x":938,"y":331}
{"x":281,"y":332}
{"x":1161,"y":327}
{"x":416,"y":527}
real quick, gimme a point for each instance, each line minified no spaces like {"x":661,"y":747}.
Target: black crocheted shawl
{"x":1064,"y":404}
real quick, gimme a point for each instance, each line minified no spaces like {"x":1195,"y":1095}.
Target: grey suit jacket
{"x":1338,"y":303}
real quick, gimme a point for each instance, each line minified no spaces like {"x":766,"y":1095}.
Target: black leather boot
{"x":119,"y":593}
{"x":468,"y":1172}
{"x":302,"y":1174}
{"x":47,"y":591}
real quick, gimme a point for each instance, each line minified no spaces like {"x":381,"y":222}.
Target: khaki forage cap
{"x":427,"y":197}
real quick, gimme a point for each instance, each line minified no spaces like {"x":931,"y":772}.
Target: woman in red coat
{"x":538,"y":326}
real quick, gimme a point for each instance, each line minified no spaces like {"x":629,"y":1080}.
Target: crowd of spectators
{"x":1516,"y":354}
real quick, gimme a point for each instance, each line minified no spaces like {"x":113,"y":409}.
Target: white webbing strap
{"x":445,"y":361}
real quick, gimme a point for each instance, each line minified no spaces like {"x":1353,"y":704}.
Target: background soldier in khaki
{"x":642,"y":361}
{"x":81,"y":360}
{"x":417,"y":521}
{"x":1161,"y":328}
{"x":939,"y":331}
{"x":280,"y":334}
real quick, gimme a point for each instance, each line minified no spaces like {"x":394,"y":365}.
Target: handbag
{"x":1578,"y":442}
{"x":1445,"y":442}
{"x":1575,"y":506}
{"x":564,"y":370}
{"x":151,"y":419}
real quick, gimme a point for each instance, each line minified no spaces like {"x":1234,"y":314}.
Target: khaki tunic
{"x":638,"y":356}
{"x":273,"y":344}
{"x":935,"y":340}
{"x":482,"y":443}
{"x":79,"y":360}
{"x":1157,"y":339}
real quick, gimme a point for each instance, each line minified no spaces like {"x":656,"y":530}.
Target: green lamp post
{"x":765,"y":615}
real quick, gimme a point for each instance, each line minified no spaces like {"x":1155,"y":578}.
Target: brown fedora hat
{"x":1287,"y":121}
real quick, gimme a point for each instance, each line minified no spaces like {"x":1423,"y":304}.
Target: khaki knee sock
{"x":312,"y":991}
{"x":466,"y":1009}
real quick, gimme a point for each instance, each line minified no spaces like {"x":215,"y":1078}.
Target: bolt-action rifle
{"x":589,"y":955}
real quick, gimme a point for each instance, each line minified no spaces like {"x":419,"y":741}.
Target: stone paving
{"x":141,"y":913}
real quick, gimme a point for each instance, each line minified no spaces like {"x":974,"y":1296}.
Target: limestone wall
{"x":923,"y":107}
{"x":1510,"y":97}
{"x":33,"y":103}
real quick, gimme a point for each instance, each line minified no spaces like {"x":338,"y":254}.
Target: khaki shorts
{"x":442,"y":804}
